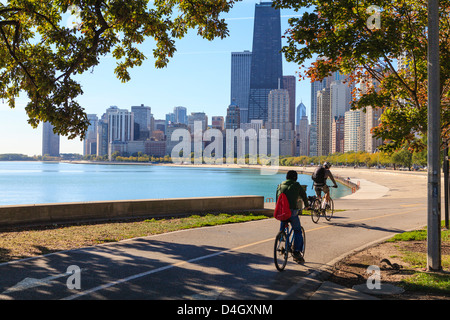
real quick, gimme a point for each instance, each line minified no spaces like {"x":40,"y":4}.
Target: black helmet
{"x":327,"y":164}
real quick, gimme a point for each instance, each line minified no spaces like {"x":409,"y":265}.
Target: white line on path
{"x":143,"y":274}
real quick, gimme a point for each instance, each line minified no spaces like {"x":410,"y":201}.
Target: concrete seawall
{"x":45,"y":214}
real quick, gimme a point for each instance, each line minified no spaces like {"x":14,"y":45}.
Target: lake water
{"x":43,"y":182}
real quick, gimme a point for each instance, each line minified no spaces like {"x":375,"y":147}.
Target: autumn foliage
{"x":387,"y":64}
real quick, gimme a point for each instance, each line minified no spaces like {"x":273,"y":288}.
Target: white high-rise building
{"x":120,"y":124}
{"x":354,"y":138}
{"x":340,"y":97}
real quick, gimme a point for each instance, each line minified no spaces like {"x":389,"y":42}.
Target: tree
{"x":383,"y":45}
{"x":402,"y":157}
{"x":39,"y":54}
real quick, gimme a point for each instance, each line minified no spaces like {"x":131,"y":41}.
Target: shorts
{"x":323,"y":188}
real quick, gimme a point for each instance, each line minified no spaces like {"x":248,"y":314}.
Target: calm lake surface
{"x":43,"y":182}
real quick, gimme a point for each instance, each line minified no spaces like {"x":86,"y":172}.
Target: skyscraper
{"x":337,"y":134}
{"x":50,"y":141}
{"x":197,"y":116}
{"x":301,"y":112}
{"x":233,"y":118}
{"x":302,"y":130}
{"x":266,"y":72}
{"x":90,"y":142}
{"x":289,"y":85}
{"x":303,"y":136}
{"x":341,"y":98}
{"x":354,"y":124}
{"x":323,"y":122}
{"x":180,"y":115}
{"x":218,"y":122}
{"x":142,"y":122}
{"x":278,"y":118}
{"x":240,"y":81}
{"x":315,"y":87}
{"x":120,"y":124}
{"x":102,"y":136}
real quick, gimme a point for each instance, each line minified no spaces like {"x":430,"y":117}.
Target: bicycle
{"x":318,"y":208}
{"x":284,"y":246}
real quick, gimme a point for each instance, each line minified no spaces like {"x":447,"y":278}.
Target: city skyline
{"x":197,"y":78}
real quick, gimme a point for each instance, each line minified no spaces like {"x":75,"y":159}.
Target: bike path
{"x":222,"y":262}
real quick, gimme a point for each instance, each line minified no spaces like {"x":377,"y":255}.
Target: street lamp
{"x":434,"y":125}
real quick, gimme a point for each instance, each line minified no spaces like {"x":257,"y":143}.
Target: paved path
{"x":230,"y":261}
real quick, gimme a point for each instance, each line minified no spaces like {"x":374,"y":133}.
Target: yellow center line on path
{"x":366,"y":219}
{"x":143,"y":274}
{"x":412,"y":205}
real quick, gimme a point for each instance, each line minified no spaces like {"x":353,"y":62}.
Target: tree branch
{"x":12,"y":50}
{"x":95,"y":42}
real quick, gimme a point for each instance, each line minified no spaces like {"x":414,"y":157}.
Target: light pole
{"x":434,"y":125}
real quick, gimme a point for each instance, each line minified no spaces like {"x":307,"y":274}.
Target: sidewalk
{"x":332,"y":291}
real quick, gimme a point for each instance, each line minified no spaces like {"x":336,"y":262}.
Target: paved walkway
{"x":403,"y":189}
{"x":231,"y":261}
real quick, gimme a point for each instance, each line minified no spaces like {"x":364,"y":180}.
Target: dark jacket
{"x":292,"y":189}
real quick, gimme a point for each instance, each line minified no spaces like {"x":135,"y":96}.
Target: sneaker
{"x":298,"y":257}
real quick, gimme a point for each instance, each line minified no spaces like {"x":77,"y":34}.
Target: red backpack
{"x":282,"y":210}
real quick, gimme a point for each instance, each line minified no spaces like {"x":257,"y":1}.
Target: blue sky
{"x":197,"y":77}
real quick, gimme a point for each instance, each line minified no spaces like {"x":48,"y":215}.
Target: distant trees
{"x":15,"y":157}
{"x":403,"y":158}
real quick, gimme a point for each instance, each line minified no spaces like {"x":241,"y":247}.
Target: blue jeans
{"x":295,"y":223}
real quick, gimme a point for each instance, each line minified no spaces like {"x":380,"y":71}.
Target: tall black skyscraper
{"x":266,"y":69}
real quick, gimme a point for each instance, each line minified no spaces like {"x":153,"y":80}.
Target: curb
{"x":323,"y":273}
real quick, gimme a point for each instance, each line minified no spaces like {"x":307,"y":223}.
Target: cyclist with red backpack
{"x":293,"y":190}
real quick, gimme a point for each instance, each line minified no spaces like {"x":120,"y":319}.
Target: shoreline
{"x":306,"y":170}
{"x":277,"y":174}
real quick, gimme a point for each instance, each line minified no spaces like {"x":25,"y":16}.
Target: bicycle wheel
{"x":315,"y":211}
{"x":329,"y":210}
{"x":280,"y":253}
{"x":304,"y":243}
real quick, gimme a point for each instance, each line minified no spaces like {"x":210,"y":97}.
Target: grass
{"x":428,"y":282}
{"x":422,"y":281}
{"x":23,"y":243}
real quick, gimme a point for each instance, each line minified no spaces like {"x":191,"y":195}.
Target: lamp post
{"x":434,"y":171}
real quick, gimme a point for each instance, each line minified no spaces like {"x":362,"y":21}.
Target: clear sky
{"x":197,"y":77}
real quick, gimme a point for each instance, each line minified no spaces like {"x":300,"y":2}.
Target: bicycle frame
{"x":283,"y":245}
{"x":317,"y":209}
